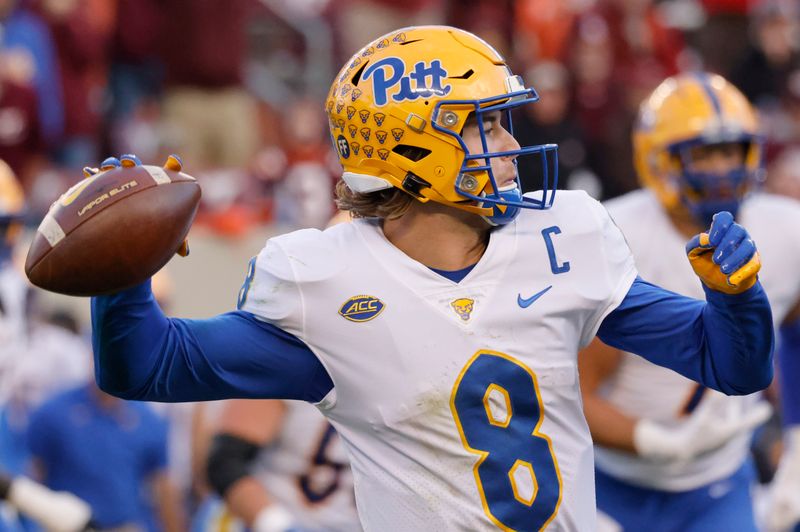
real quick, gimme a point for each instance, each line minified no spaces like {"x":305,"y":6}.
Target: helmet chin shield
{"x":476,"y":180}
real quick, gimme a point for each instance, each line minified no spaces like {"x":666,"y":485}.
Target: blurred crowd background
{"x":236,"y":88}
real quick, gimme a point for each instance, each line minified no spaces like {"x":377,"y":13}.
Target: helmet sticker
{"x":389,"y":76}
{"x":343,"y":147}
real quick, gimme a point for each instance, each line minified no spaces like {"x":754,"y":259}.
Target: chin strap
{"x":502,"y":215}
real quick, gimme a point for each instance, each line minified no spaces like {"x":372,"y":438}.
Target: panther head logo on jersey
{"x":463,"y":307}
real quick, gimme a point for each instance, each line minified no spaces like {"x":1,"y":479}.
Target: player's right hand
{"x":173,"y":163}
{"x":715,"y":421}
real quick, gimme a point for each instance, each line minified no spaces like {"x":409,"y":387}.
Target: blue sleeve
{"x":725,"y":343}
{"x":141,"y":354}
{"x":789,"y":364}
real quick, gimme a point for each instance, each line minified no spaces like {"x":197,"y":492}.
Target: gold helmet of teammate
{"x":686,"y":112}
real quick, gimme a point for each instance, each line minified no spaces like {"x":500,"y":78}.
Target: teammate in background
{"x":279,"y":465}
{"x":36,"y":359}
{"x":439,"y":331}
{"x":110,"y":453}
{"x":672,"y":454}
{"x":783,"y":507}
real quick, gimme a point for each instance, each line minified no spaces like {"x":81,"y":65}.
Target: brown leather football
{"x":112,"y":230}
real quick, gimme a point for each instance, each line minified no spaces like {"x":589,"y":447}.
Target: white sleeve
{"x":615,"y":270}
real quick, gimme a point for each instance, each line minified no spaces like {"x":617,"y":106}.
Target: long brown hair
{"x":384,"y":204}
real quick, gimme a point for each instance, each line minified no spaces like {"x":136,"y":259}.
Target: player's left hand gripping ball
{"x":725,"y":258}
{"x":115,"y":228}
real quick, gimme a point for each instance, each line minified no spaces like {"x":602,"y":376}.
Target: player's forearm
{"x":739,"y":340}
{"x":246,"y":499}
{"x":127,"y":330}
{"x":789,"y":364}
{"x":141,"y":354}
{"x":725,"y":343}
{"x":609,"y":427}
{"x":170,"y":506}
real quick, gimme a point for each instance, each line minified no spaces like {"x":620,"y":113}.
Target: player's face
{"x":498,"y":139}
{"x":717,"y":159}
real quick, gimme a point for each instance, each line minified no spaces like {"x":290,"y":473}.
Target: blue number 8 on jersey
{"x":509,"y":444}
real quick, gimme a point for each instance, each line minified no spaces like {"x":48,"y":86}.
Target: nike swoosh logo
{"x":525,"y":303}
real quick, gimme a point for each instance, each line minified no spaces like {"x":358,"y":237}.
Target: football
{"x":112,"y":230}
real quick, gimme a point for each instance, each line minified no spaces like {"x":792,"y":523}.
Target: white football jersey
{"x":642,"y":389}
{"x":306,"y":471}
{"x":459,"y":403}
{"x":36,"y":359}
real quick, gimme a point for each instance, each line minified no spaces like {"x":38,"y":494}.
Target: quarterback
{"x":672,"y":454}
{"x":438,"y":332}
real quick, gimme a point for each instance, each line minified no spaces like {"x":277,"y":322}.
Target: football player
{"x":35,"y":359}
{"x":280,"y":465}
{"x":438,"y":331}
{"x":672,"y":454}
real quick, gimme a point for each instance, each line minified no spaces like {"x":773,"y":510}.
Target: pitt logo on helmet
{"x":361,"y":308}
{"x":423,"y":82}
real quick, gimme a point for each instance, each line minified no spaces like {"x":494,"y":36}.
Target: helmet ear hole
{"x":412,"y":153}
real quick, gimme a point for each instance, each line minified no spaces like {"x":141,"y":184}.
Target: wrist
{"x":753,"y":292}
{"x":650,"y":440}
{"x":273,"y":518}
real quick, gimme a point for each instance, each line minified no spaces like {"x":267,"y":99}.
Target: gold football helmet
{"x":12,"y":208}
{"x":397,"y":108}
{"x":685,"y":112}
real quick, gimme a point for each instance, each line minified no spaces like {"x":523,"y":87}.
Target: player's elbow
{"x":113,"y":388}
{"x":761,"y":380}
{"x":116,"y":381}
{"x":757,"y":380}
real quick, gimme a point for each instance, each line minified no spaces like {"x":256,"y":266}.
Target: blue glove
{"x":725,"y":258}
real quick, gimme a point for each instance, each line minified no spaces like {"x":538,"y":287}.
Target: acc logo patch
{"x":463,"y":307}
{"x":361,"y":308}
